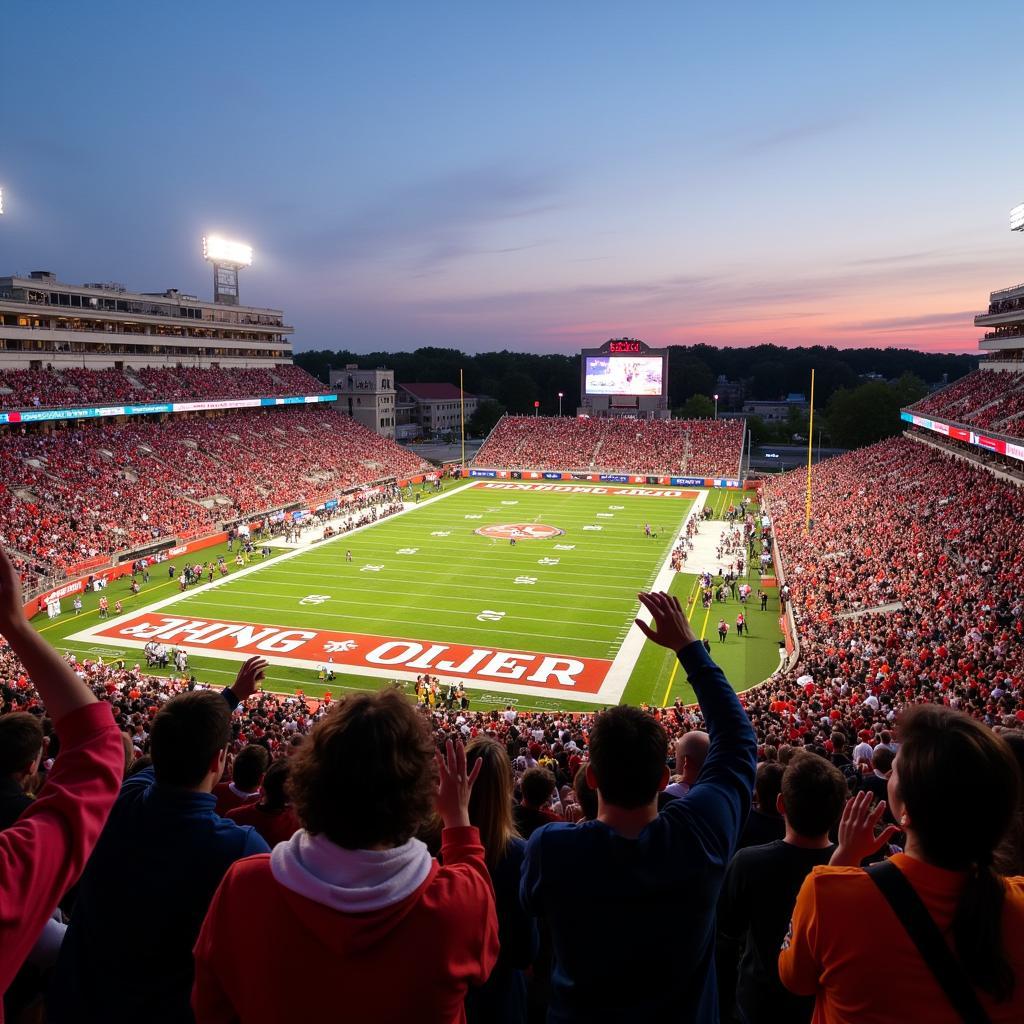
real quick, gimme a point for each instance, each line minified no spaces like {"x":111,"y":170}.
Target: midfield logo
{"x":520,"y":531}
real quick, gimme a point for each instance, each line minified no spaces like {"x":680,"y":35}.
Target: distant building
{"x":776,"y":412}
{"x":425,"y":410}
{"x":368,"y":396}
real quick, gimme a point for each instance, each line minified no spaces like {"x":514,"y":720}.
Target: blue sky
{"x":529,"y":176}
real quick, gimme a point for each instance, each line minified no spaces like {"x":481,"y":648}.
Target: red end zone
{"x":382,"y":654}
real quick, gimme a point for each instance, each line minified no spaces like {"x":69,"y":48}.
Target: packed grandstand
{"x":905,"y":592}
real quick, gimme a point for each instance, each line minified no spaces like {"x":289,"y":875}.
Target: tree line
{"x":853,"y":411}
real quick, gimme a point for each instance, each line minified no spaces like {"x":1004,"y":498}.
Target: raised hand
{"x":250,"y":675}
{"x":673,"y":629}
{"x":454,"y":785}
{"x":12,"y":614}
{"x":857,"y":838}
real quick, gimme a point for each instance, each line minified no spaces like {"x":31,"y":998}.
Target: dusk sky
{"x":528,"y":176}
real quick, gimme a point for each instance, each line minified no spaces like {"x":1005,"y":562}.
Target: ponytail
{"x":978,"y":933}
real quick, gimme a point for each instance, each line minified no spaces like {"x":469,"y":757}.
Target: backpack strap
{"x":924,"y":933}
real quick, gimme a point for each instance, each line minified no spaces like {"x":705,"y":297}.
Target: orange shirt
{"x":847,"y":948}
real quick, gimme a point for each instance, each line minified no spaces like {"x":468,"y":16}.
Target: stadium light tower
{"x":1,"y":200}
{"x":716,"y":406}
{"x":1017,"y":218}
{"x":561,"y":395}
{"x":227,"y":259}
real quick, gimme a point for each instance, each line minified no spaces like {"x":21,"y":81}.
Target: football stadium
{"x":449,"y":654}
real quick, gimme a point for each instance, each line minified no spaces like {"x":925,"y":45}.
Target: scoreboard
{"x":624,"y":377}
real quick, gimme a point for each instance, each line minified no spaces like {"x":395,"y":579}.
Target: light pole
{"x":716,"y":407}
{"x":561,"y":395}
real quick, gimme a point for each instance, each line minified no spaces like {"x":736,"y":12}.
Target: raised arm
{"x":723,"y":791}
{"x":45,"y":850}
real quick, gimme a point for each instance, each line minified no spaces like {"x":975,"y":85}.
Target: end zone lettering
{"x":310,"y":648}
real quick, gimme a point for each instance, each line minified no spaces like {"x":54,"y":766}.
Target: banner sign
{"x":991,"y":444}
{"x":151,"y":409}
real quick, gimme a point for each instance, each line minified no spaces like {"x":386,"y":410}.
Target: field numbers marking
{"x":406,"y":551}
{"x":472,"y":515}
{"x":315,"y":599}
{"x":592,"y":527}
{"x":605,"y":515}
{"x":548,"y":561}
{"x":490,"y":616}
{"x":371,"y":568}
{"x":528,"y":580}
{"x":565,"y":547}
{"x":616,"y":508}
{"x":510,"y":503}
{"x":441,"y":533}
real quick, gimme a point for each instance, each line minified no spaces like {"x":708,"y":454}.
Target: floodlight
{"x":221,"y":250}
{"x":1017,"y":218}
{"x":1,"y":200}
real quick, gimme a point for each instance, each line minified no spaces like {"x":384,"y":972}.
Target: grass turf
{"x":437,"y":575}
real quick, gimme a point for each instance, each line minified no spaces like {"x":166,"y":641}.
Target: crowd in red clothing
{"x":70,"y":495}
{"x":23,"y":389}
{"x":989,"y":399}
{"x":706,"y":448}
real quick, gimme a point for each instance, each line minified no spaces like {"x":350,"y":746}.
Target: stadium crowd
{"x":705,"y":448}
{"x":500,"y":882}
{"x":26,"y":389}
{"x":72,"y":494}
{"x":987,"y":399}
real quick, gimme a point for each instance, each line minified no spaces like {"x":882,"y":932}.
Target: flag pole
{"x":462,"y":416}
{"x":810,"y":450}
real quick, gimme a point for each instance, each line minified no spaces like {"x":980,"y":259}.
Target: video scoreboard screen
{"x":635,"y":375}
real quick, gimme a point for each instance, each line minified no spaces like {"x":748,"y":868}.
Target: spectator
{"x":765,"y":823}
{"x":616,"y":891}
{"x":585,"y":795}
{"x":43,"y":852}
{"x":163,"y":839}
{"x":246,"y":777}
{"x":532,"y":811}
{"x":954,"y":789}
{"x":761,"y":886}
{"x":353,"y":896}
{"x":877,"y":783}
{"x":272,"y":815}
{"x":1010,"y":857}
{"x":21,"y":749}
{"x":691,"y":752}
{"x":502,"y":999}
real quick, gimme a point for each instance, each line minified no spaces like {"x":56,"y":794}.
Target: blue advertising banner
{"x":613,"y":478}
{"x":483,"y":472}
{"x":151,"y":409}
{"x":687,"y":481}
{"x":552,"y":476}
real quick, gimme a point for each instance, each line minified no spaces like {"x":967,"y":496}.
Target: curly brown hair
{"x":365,"y":777}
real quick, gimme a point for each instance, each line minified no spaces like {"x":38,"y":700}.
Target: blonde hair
{"x":490,"y":803}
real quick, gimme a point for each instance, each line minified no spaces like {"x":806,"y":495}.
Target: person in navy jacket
{"x":630,"y":897}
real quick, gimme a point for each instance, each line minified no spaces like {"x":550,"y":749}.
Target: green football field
{"x":540,"y":623}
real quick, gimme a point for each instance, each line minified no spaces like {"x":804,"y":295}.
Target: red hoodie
{"x":45,"y":850}
{"x":268,"y":955}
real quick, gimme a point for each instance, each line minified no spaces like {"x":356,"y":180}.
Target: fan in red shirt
{"x":353,"y":896}
{"x":246,"y":776}
{"x":272,"y":815}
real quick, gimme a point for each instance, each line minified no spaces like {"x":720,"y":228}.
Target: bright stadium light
{"x":1017,"y":218}
{"x":227,"y":258}
{"x":221,"y":250}
{"x":1,"y":200}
